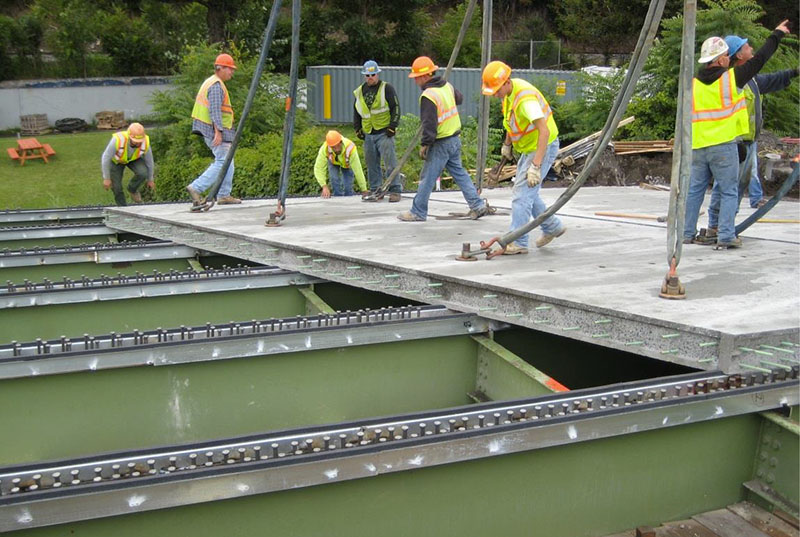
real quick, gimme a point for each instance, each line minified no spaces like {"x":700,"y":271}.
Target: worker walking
{"x":531,"y":130}
{"x":719,"y":117}
{"x":740,"y":53}
{"x":376,"y":114}
{"x":440,"y":146}
{"x":212,"y":118}
{"x":337,"y":165}
{"x":129,"y":148}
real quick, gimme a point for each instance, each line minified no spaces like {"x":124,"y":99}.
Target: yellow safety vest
{"x":523,"y":133}
{"x":121,"y":142}
{"x":201,"y":111}
{"x":377,"y":117}
{"x":447,"y":118}
{"x":343,"y":158}
{"x":719,"y":112}
{"x":750,"y":99}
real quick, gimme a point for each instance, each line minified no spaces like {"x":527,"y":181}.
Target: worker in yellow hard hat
{"x":337,"y":165}
{"x":212,"y":118}
{"x":531,"y":130}
{"x":129,"y":148}
{"x":440,"y":146}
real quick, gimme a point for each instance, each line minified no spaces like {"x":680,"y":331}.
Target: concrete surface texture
{"x":599,"y":282}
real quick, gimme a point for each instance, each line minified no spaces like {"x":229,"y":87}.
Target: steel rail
{"x":42,"y":494}
{"x":225,"y":341}
{"x":52,"y":231}
{"x":51,"y":215}
{"x":122,"y":286}
{"x":103,"y":252}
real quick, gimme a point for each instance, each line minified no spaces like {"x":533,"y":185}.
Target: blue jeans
{"x":444,"y":153}
{"x":525,"y":200}
{"x":377,"y":147}
{"x":341,"y":179}
{"x":753,"y":188}
{"x":722,"y":163}
{"x":207,"y":178}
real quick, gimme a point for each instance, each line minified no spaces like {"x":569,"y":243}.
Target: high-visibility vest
{"x":523,"y":133}
{"x":343,"y":158}
{"x":201,"y":111}
{"x":719,"y":111}
{"x":121,"y":142}
{"x":376,"y":117}
{"x":447,"y":119}
{"x":750,"y":99}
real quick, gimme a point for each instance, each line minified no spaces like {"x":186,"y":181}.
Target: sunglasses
{"x":370,"y":76}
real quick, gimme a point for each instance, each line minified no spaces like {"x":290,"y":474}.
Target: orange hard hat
{"x":136,"y":132}
{"x":422,"y":66}
{"x":225,"y":60}
{"x":494,"y":76}
{"x":333,"y":138}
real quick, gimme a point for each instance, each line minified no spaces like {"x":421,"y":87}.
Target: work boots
{"x":136,"y":197}
{"x":474,"y":214}
{"x":197,"y":198}
{"x":228,"y":200}
{"x":545,"y":239}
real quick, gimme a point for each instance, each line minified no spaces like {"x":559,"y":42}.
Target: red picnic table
{"x":30,"y":148}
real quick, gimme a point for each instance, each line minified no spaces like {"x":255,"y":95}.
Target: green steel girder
{"x":777,"y":468}
{"x":314,"y":304}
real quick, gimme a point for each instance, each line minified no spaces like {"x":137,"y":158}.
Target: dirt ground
{"x":656,"y":168}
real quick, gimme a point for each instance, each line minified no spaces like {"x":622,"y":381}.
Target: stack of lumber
{"x":110,"y":119}
{"x":642,"y":146}
{"x":34,"y":124}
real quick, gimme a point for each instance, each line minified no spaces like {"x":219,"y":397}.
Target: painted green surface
{"x":82,"y":413}
{"x":56,"y":273}
{"x":587,"y":489}
{"x":777,"y":464}
{"x":74,"y":320}
{"x":343,"y":297}
{"x":578,"y":365}
{"x":503,"y":375}
{"x":314,"y":304}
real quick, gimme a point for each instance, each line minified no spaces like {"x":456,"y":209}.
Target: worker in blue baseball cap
{"x":741,"y":53}
{"x":376,"y":114}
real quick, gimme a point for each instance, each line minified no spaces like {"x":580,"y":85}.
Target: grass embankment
{"x":71,"y":178}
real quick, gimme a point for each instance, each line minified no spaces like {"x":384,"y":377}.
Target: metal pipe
{"x":483,"y":112}
{"x":291,"y":108}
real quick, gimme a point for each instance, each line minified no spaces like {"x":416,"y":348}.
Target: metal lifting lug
{"x":276,"y":218}
{"x":465,"y":254}
{"x":671,"y":287}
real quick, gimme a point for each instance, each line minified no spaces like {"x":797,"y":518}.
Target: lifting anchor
{"x":671,"y":287}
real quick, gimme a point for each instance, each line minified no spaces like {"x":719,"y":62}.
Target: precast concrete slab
{"x":598,"y":283}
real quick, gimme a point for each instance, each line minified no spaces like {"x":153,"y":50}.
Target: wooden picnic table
{"x":30,"y":148}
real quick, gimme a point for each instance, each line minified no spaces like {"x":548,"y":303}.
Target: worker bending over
{"x":719,"y":118}
{"x":338,"y":164}
{"x":441,"y":146}
{"x":531,"y":130}
{"x":129,"y":148}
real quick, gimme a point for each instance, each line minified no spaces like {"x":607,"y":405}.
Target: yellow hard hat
{"x":136,"y":132}
{"x":422,"y":66}
{"x":494,"y":76}
{"x":333,"y":138}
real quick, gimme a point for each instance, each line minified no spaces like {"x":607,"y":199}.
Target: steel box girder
{"x":111,"y":253}
{"x":50,"y":215}
{"x":51,"y":232}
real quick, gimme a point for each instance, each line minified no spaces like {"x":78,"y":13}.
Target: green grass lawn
{"x":71,"y":178}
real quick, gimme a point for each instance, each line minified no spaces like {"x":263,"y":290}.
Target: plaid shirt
{"x":215,"y":96}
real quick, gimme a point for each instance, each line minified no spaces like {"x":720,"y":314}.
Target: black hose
{"x":269,"y":32}
{"x":761,"y":211}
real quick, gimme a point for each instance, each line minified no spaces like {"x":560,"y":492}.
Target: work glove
{"x":507,"y":152}
{"x":390,"y":132}
{"x":360,"y":134}
{"x":423,"y":152}
{"x":534,"y":175}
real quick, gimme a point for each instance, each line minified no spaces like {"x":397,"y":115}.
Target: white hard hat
{"x":712,"y":48}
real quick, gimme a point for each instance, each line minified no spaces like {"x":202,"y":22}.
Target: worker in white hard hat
{"x":719,"y":118}
{"x":128,"y":149}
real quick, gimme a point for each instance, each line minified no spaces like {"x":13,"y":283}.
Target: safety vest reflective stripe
{"x":377,"y":117}
{"x":343,"y":158}
{"x":525,"y":137}
{"x":516,"y":131}
{"x":719,"y":111}
{"x":447,"y":118}
{"x":121,"y":142}
{"x":201,"y":111}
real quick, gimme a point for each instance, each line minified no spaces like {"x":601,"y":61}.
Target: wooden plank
{"x":13,"y":153}
{"x":685,"y":528}
{"x":763,"y":520}
{"x":728,"y":524}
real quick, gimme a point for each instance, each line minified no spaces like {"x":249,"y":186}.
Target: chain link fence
{"x":529,"y":54}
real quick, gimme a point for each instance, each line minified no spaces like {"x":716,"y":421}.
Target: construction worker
{"x":740,"y":53}
{"x":338,"y":164}
{"x":719,"y":118}
{"x":129,"y":148}
{"x":212,"y":118}
{"x":376,"y":114}
{"x":531,"y":130}
{"x":440,"y":146}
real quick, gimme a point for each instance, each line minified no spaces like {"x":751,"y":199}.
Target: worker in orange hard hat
{"x":338,"y":164}
{"x":531,"y":130}
{"x":212,"y":118}
{"x":440,"y":146}
{"x":129,"y":148}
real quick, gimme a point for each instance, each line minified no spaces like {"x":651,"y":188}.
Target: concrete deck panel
{"x":598,"y":283}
